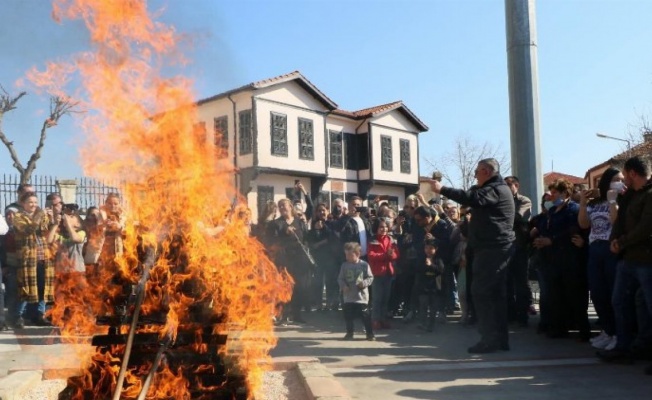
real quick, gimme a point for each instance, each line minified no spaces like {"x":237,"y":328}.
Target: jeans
{"x":357,"y":310}
{"x":602,"y":275}
{"x":489,"y":294}
{"x":381,"y":288}
{"x":40,"y":286}
{"x":519,"y":294}
{"x":630,"y":277}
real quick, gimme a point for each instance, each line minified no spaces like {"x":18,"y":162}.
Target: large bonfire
{"x":141,"y":129}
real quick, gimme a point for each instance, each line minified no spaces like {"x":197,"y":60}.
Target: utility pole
{"x":520,"y":20}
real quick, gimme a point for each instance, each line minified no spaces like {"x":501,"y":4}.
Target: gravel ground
{"x":277,"y":385}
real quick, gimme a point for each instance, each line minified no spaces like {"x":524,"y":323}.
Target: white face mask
{"x":548,"y":205}
{"x":618,"y":187}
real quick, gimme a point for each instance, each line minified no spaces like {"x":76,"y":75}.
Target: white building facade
{"x":284,"y":129}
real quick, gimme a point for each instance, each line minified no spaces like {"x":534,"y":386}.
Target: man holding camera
{"x":491,"y":236}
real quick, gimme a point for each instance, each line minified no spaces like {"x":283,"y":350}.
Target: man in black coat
{"x":491,"y":236}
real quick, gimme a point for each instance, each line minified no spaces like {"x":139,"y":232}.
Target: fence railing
{"x":83,"y":191}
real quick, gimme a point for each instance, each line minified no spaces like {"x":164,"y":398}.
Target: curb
{"x":320,"y":384}
{"x":16,"y":384}
{"x":318,"y":381}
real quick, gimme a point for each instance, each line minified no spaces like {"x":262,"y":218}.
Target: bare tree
{"x":636,"y":131}
{"x":59,"y":106}
{"x":458,"y":165}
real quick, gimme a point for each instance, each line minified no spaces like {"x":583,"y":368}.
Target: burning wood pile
{"x":136,"y":350}
{"x":184,"y":309}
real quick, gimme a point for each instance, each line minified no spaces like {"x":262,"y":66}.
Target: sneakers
{"x":371,"y":338}
{"x":601,"y":336}
{"x":612,"y":343}
{"x":348,"y":336}
{"x":601,"y":341}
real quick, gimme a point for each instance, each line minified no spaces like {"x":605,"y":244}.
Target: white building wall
{"x":263,"y":119}
{"x":345,"y":126}
{"x":396,"y":191}
{"x":396,"y":120}
{"x":279,"y":183}
{"x":395,"y":175}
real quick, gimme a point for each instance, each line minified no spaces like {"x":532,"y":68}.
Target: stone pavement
{"x":405,"y":363}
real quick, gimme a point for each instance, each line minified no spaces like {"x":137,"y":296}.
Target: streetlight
{"x":629,"y":144}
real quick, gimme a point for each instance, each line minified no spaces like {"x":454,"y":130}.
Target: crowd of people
{"x":39,"y":246}
{"x":468,"y":251}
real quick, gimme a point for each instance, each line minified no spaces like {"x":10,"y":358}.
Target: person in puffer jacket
{"x":382,"y":253}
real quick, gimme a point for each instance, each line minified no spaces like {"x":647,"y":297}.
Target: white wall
{"x":396,"y":120}
{"x":223,"y":107}
{"x":396,"y":135}
{"x":344,"y":125}
{"x":388,"y":190}
{"x":291,"y":94}
{"x":279,"y":182}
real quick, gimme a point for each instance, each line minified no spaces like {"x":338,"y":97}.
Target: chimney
{"x":647,"y":136}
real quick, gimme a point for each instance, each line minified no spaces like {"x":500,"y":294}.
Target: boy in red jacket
{"x":382,"y":252}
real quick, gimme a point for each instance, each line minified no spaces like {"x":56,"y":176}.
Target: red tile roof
{"x":641,"y":149}
{"x":552,"y":176}
{"x":330,"y":104}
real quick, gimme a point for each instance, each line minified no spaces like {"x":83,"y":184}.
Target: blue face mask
{"x":548,"y":205}
{"x":558,"y":202}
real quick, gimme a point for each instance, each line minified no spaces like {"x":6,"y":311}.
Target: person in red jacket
{"x":382,"y":253}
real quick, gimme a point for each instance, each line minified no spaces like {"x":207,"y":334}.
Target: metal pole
{"x":520,"y":20}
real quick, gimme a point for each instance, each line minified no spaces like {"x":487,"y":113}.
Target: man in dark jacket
{"x":519,"y":294}
{"x":632,"y":241}
{"x":491,"y":236}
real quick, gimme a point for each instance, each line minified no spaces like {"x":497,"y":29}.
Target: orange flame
{"x":141,"y":130}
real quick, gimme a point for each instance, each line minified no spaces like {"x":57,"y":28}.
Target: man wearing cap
{"x":491,"y":236}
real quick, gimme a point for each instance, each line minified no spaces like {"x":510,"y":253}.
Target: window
{"x":245,"y":132}
{"x":362,"y":144}
{"x":279,"y":130}
{"x":265,"y":195}
{"x":406,"y":167}
{"x":335,"y":149}
{"x":221,"y":133}
{"x":386,"y":153}
{"x":306,"y":140}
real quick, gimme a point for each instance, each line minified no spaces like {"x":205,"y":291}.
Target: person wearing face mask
{"x":631,"y":240}
{"x":594,"y":214}
{"x":561,"y":244}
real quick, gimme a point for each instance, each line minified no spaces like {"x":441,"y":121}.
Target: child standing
{"x":430,"y":296}
{"x":354,"y":279}
{"x":382,"y":253}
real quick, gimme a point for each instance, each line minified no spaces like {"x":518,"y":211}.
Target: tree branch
{"x":8,"y":103}
{"x":59,"y":106}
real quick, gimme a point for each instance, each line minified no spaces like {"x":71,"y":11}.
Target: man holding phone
{"x":356,"y":226}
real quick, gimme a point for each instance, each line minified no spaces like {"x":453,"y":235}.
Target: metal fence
{"x":89,"y":192}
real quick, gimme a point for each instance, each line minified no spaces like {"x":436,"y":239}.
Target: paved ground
{"x":406,"y":363}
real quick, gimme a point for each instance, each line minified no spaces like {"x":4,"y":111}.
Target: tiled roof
{"x":319,"y":95}
{"x":381,"y":109}
{"x":295,"y":75}
{"x":641,"y":149}
{"x":552,"y":176}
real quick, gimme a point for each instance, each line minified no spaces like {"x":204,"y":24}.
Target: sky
{"x":445,"y":59}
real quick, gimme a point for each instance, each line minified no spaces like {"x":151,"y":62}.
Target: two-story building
{"x":280,"y":130}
